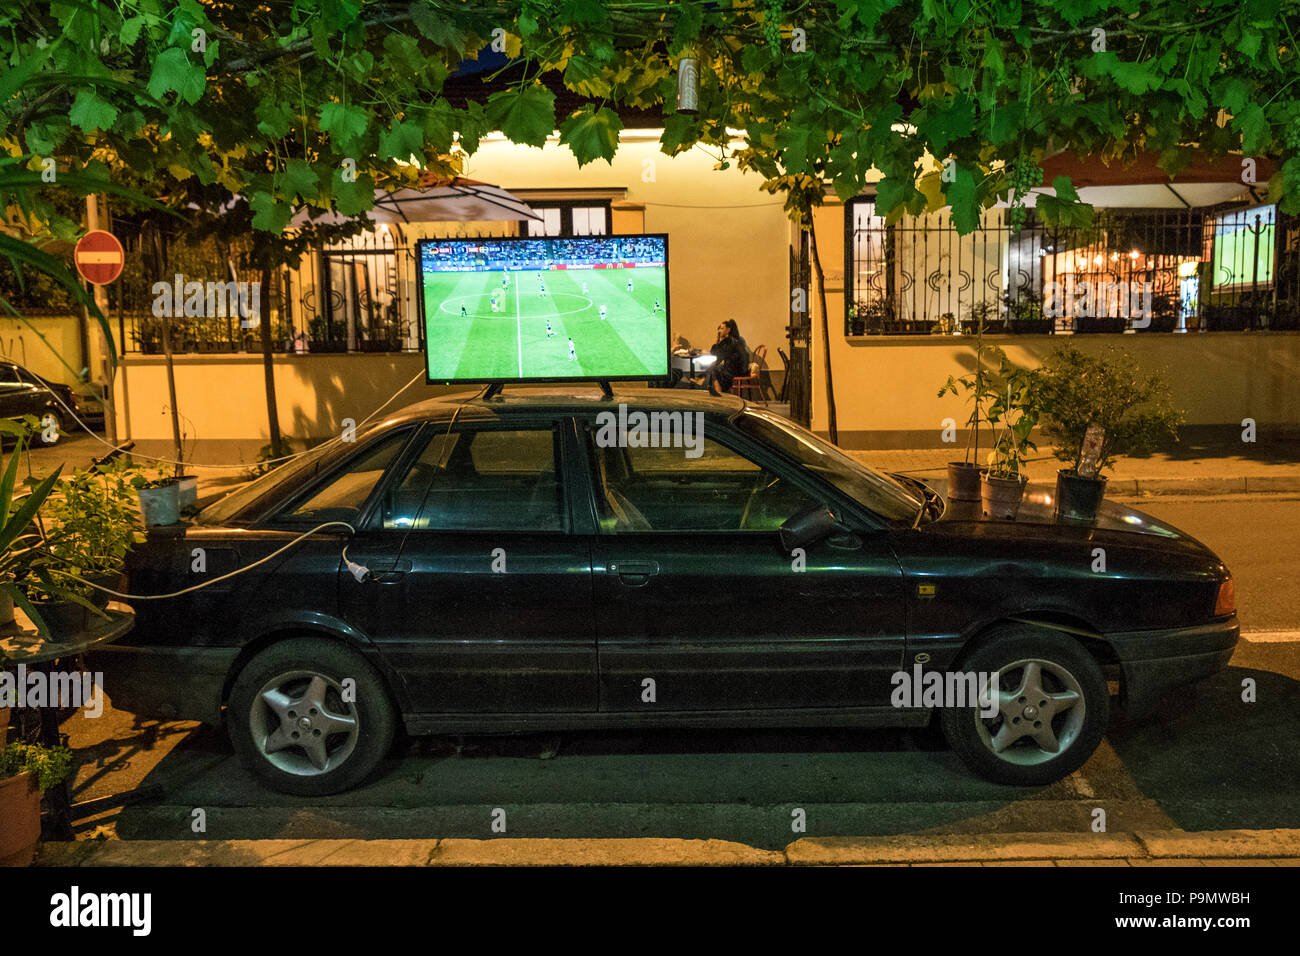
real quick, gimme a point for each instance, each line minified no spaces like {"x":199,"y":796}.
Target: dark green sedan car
{"x":556,"y":560}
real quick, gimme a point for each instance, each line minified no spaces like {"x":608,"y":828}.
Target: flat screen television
{"x":544,"y":309}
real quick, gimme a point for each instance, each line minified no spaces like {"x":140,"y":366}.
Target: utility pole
{"x":104,"y":378}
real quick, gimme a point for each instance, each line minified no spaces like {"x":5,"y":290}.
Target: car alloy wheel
{"x":1052,"y":707}
{"x":1041,"y":711}
{"x":302,"y":724}
{"x":310,"y":716}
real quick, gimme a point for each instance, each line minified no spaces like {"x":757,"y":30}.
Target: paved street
{"x":1205,"y":761}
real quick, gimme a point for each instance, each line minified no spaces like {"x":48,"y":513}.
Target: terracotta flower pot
{"x":1001,"y":496}
{"x":20,"y":809}
{"x":963,"y":481}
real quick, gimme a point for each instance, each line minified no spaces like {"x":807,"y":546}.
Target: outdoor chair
{"x":747,"y":386}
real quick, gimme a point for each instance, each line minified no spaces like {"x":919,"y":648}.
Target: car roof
{"x":568,"y":399}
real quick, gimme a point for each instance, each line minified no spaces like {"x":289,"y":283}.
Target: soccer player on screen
{"x":463,"y":313}
{"x":629,"y":283}
{"x":584,"y":288}
{"x":573,"y":353}
{"x":602,"y":313}
{"x":549,"y":331}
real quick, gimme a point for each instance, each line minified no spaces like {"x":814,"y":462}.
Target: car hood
{"x":1039,"y":509}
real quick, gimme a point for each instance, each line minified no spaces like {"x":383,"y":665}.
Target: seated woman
{"x":733,"y":358}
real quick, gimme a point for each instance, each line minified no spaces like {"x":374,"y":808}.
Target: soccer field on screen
{"x":466,"y":339}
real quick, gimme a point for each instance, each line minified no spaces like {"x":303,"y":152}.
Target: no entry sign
{"x":99,"y":257}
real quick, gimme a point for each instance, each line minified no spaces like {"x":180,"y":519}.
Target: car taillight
{"x":1227,"y":600}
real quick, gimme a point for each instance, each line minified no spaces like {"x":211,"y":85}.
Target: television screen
{"x":544,"y":309}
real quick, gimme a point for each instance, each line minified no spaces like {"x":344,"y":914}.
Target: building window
{"x":579,"y":218}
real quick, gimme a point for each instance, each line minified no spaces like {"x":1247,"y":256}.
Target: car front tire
{"x":1052,"y":708}
{"x":300,"y":727}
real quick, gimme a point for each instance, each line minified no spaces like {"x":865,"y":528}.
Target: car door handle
{"x":635,"y":573}
{"x":391,"y":575}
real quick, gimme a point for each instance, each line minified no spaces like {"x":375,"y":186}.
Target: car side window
{"x":661,"y":489}
{"x":9,"y":377}
{"x":345,"y":492}
{"x":480,"y":479}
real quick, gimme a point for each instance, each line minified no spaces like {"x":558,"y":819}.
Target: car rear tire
{"x":1052,"y":708}
{"x":294,"y":726}
{"x":50,"y":419}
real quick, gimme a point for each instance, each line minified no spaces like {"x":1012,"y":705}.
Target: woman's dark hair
{"x":731,"y":328}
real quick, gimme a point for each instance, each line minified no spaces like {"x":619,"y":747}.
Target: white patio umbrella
{"x":443,"y":200}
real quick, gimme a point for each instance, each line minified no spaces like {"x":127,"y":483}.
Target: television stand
{"x":494,"y":389}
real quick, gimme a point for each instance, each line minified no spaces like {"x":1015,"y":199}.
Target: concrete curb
{"x":1245,"y":484}
{"x":1147,"y":847}
{"x":1222,"y":844}
{"x":838,"y":851}
{"x":502,"y":852}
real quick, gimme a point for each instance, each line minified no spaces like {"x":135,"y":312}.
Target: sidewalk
{"x":1139,"y":849}
{"x":1200,"y":470}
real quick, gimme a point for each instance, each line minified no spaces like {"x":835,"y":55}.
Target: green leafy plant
{"x":1132,"y":408}
{"x":153,"y":475}
{"x":89,"y":523}
{"x":1025,"y":310}
{"x":1016,"y":408}
{"x":874,"y":315}
{"x":981,"y":386}
{"x":50,"y":765}
{"x":20,"y":553}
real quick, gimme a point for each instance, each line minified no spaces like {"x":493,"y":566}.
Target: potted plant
{"x":1086,"y":324}
{"x":159,"y":499}
{"x":1095,"y":409}
{"x":964,"y":476}
{"x":870,"y":317}
{"x":1164,"y":315}
{"x":89,"y":524}
{"x":983,"y":313}
{"x":1025,"y":314}
{"x":1002,"y":484}
{"x":26,"y":772}
{"x":325,"y":336}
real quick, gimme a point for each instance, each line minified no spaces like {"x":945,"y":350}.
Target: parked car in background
{"x":514,"y":564}
{"x":23,"y":392}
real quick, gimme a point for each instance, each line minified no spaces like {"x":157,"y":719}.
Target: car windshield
{"x":226,"y":507}
{"x":881,"y":494}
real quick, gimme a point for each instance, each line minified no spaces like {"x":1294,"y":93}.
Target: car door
{"x":480,"y":597}
{"x":699,"y":608}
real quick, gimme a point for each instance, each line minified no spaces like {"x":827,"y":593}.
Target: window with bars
{"x":576,"y":218}
{"x":1210,"y":268}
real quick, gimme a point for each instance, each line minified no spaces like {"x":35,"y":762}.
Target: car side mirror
{"x":808,"y":526}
